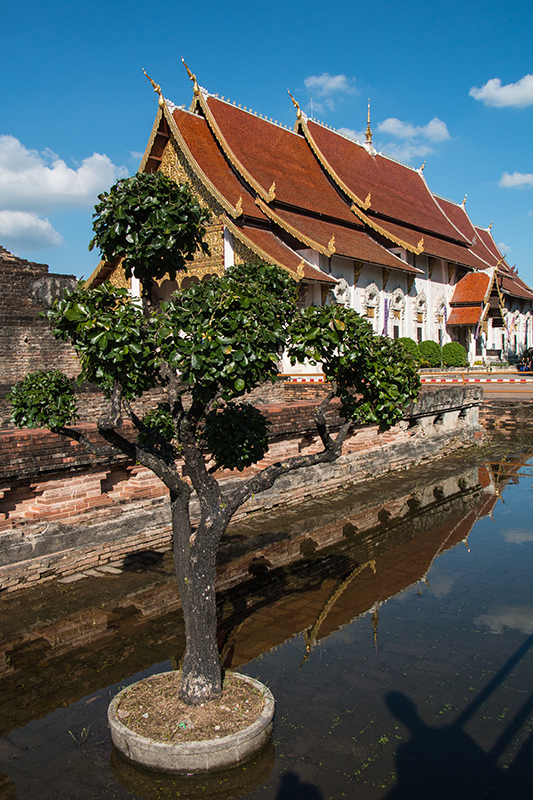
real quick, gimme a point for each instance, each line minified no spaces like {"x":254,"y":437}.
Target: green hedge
{"x":430,"y":352}
{"x":409,"y":345}
{"x":454,"y":355}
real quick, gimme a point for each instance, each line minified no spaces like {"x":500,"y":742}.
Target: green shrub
{"x":454,"y":355}
{"x":430,"y":351}
{"x":409,"y":345}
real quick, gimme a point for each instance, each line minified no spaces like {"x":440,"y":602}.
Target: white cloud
{"x":33,"y":181}
{"x":360,"y":136}
{"x":326,"y":84}
{"x":136,"y":156}
{"x":518,"y":95}
{"x":436,"y":130}
{"x":22,"y":228}
{"x":503,"y":248}
{"x":518,"y":535}
{"x":407,"y":151}
{"x":518,"y":180}
{"x":519,"y":618}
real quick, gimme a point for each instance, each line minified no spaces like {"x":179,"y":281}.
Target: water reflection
{"x":317,"y":586}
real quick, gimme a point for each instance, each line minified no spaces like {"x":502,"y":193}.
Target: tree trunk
{"x":195,"y":566}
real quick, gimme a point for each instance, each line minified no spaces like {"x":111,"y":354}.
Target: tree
{"x":208,"y":347}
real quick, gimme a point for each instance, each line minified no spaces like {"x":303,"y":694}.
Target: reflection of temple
{"x":279,"y":575}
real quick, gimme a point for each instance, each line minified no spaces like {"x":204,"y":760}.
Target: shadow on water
{"x":443,"y":763}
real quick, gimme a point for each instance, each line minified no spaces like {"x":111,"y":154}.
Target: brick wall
{"x":62,"y":510}
{"x":26,"y":344}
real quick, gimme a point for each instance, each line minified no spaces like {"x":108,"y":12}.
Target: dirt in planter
{"x":153,"y":709}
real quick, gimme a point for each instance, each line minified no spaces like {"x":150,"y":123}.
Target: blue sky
{"x":450,"y":83}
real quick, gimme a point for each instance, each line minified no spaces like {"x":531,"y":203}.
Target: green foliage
{"x":430,"y":352}
{"x":374,"y":379}
{"x":228,"y":333}
{"x":409,"y":345}
{"x":454,"y":355}
{"x":113,"y":339}
{"x":236,"y":435}
{"x":43,"y":400}
{"x":159,"y":427}
{"x":152,"y":223}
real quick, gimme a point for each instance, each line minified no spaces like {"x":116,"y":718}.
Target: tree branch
{"x":268,"y":476}
{"x":78,"y":436}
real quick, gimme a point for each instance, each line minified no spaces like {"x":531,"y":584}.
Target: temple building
{"x":352,"y":225}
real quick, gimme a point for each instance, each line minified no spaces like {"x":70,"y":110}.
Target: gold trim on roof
{"x":320,"y":248}
{"x":329,"y":169}
{"x":272,"y":192}
{"x":368,"y":132}
{"x":235,"y":211}
{"x":219,"y":136}
{"x":151,"y":140}
{"x":417,"y":250}
{"x":331,"y":244}
{"x":241,"y":236}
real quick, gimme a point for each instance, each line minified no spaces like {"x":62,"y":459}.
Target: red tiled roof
{"x":396,"y":191}
{"x":472,"y":288}
{"x":465,"y":315}
{"x":462,"y":221}
{"x":432,"y":245}
{"x":209,"y":158}
{"x":343,"y":241}
{"x":515,"y":286}
{"x":269,"y":247}
{"x":265,"y":154}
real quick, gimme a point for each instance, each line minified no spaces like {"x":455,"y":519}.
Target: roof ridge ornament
{"x":296,"y":105}
{"x":156,"y":88}
{"x":368,"y":132}
{"x":464,"y":201}
{"x":192,"y":77}
{"x":422,"y":167}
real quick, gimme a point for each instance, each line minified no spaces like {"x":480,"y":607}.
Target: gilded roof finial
{"x":422,"y":167}
{"x":296,"y":105}
{"x":490,"y":226}
{"x":464,"y":201}
{"x":368,"y":128}
{"x":157,"y":89}
{"x":195,"y":87}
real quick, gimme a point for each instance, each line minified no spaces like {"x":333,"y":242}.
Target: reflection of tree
{"x":292,"y":788}
{"x":447,"y":763}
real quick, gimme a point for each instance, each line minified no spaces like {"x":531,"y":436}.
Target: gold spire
{"x":464,"y":201}
{"x":490,"y":226}
{"x":157,"y":89}
{"x":296,"y":105}
{"x":195,"y":87}
{"x":368,"y":128}
{"x":422,"y":167}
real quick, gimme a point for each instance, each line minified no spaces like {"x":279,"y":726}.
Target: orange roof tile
{"x":465,"y":315}
{"x":432,"y":245}
{"x":269,"y":247}
{"x":473,"y":288}
{"x":210,"y":160}
{"x":267,"y":155}
{"x":396,"y":190}
{"x":338,"y":239}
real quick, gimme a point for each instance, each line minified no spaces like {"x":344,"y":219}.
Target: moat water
{"x":393,"y":622}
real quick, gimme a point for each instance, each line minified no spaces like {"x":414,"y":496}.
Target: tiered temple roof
{"x":284,"y":192}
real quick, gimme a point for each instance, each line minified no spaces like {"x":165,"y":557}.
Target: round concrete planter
{"x":203,"y":756}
